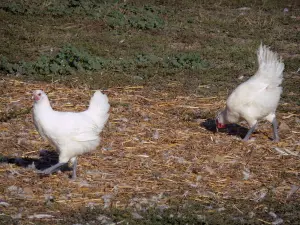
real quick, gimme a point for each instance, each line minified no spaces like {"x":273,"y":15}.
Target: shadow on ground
{"x":46,"y":159}
{"x":231,"y":129}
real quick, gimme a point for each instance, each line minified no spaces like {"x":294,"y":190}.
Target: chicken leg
{"x":52,"y":169}
{"x":275,"y":130}
{"x":250,"y":131}
{"x":74,"y":161}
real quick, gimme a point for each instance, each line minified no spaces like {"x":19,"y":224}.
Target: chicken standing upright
{"x":257,"y":98}
{"x":72,"y":133}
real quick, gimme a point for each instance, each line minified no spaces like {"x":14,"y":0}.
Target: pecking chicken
{"x":72,"y":133}
{"x":257,"y":98}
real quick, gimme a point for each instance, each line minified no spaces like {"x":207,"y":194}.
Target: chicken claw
{"x":52,"y":169}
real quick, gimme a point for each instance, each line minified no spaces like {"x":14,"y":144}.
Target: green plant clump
{"x":181,"y":61}
{"x":116,"y":15}
{"x":68,"y":60}
{"x":54,"y":8}
{"x":144,"y":18}
{"x":186,"y":60}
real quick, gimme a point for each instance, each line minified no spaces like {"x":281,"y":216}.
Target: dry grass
{"x":153,"y":145}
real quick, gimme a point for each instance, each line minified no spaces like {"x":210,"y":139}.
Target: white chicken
{"x":257,"y":98}
{"x":72,"y":133}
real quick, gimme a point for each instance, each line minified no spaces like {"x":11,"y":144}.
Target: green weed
{"x":144,"y":18}
{"x":116,"y":15}
{"x":68,"y":60}
{"x":71,"y":60}
{"x":189,"y":60}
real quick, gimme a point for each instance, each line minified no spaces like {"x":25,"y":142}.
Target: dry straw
{"x":153,"y":148}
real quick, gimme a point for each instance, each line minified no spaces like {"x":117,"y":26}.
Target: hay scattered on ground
{"x":153,"y":147}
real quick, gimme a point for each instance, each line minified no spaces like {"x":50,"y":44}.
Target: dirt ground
{"x":157,"y":148}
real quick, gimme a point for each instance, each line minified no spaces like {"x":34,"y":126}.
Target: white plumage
{"x":72,"y":133}
{"x":257,"y":98}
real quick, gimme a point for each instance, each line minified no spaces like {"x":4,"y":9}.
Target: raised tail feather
{"x":98,"y":109}
{"x":270,"y":65}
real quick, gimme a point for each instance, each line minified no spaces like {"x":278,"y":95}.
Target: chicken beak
{"x":35,"y":97}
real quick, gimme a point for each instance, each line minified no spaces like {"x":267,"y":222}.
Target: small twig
{"x":266,"y":222}
{"x":238,"y":209}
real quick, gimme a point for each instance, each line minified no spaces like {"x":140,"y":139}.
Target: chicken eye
{"x":39,"y":94}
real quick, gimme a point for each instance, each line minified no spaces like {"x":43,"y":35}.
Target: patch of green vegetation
{"x":187,"y":60}
{"x":54,"y":8}
{"x":268,"y":5}
{"x":145,"y":18}
{"x":67,"y":61}
{"x":191,"y":212}
{"x":115,"y":14}
{"x":77,"y":7}
{"x":71,"y":60}
{"x":151,"y":42}
{"x":174,"y":61}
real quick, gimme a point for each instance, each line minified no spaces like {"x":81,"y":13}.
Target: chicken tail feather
{"x":270,"y":65}
{"x":98,"y":109}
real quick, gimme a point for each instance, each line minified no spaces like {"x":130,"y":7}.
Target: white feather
{"x":71,"y":133}
{"x":258,"y":97}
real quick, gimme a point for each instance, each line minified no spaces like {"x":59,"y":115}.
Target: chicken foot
{"x":57,"y":166}
{"x":52,"y":169}
{"x":250,"y":131}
